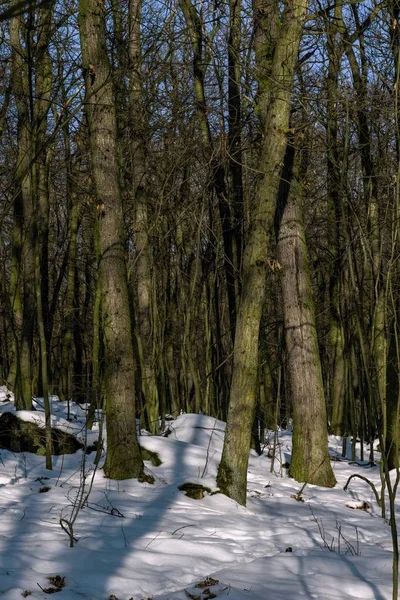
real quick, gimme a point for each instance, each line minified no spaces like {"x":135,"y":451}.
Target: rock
{"x":22,"y":436}
{"x":194,"y":490}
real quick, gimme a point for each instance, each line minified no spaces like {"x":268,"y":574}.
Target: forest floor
{"x":141,"y":541}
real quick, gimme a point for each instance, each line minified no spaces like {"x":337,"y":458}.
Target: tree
{"x":22,"y":285}
{"x":276,"y":65}
{"x":123,"y":453}
{"x":310,"y":459}
{"x":141,"y":225}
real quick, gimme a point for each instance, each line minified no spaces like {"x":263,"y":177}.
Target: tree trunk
{"x":43,"y":87}
{"x":145,"y":324}
{"x":310,"y":459}
{"x":123,"y":453}
{"x":235,"y":138}
{"x":338,"y":366}
{"x":43,"y":148}
{"x":23,"y":268}
{"x":232,"y":473}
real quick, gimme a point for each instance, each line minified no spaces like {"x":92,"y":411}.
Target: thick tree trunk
{"x":310,"y":458}
{"x":232,"y":474}
{"x":123,"y":453}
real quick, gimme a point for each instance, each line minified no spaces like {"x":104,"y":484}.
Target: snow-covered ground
{"x":144,"y":541}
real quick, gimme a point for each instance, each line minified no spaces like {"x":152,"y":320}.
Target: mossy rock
{"x":146,"y":478}
{"x":151,"y":456}
{"x":195,"y":491}
{"x":21,"y":436}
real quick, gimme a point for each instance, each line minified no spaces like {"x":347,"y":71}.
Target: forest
{"x":199,"y":210}
{"x":199,"y":299}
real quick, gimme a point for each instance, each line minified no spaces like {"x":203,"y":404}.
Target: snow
{"x":5,"y":394}
{"x":145,"y":541}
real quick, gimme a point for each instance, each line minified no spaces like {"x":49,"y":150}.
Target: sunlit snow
{"x":145,"y":541}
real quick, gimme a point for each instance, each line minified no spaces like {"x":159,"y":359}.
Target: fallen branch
{"x":372,"y":486}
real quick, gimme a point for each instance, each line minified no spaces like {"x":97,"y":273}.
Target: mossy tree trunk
{"x":123,"y":453}
{"x":310,"y":459}
{"x":274,"y":107}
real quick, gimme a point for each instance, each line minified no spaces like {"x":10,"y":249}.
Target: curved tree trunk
{"x":232,"y":473}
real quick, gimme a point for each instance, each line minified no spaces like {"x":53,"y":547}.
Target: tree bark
{"x":232,"y":473}
{"x":145,"y":323}
{"x":310,"y":459}
{"x":123,"y":454}
{"x":338,"y":365}
{"x":235,"y":139}
{"x":43,"y":87}
{"x":23,"y":265}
